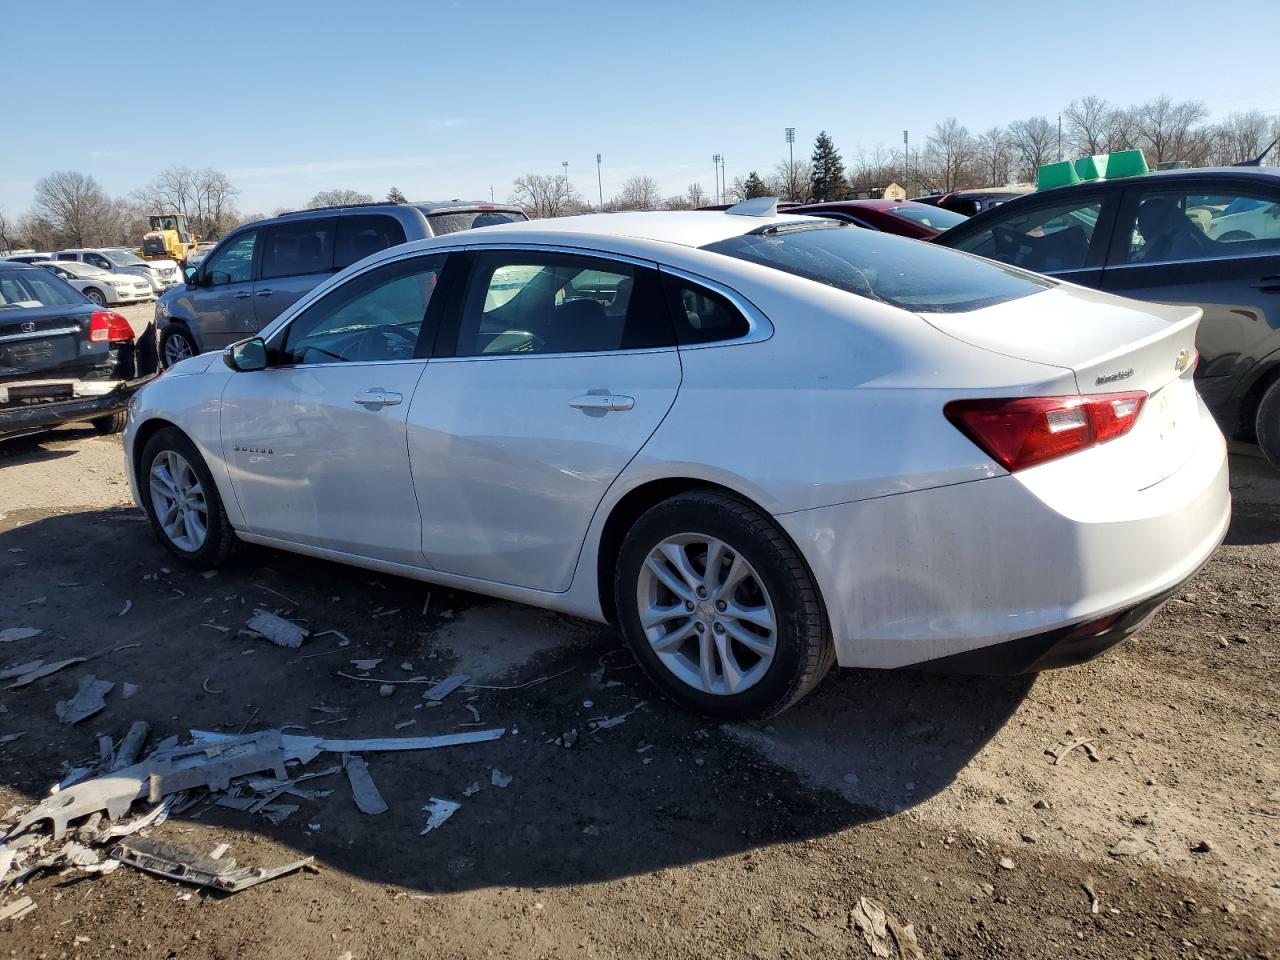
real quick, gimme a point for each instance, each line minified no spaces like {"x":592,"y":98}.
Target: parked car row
{"x":159,"y":275}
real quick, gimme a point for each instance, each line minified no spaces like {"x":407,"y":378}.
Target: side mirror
{"x":247,"y":355}
{"x":190,"y":274}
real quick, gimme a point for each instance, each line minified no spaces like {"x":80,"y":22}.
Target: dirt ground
{"x":664,"y":835}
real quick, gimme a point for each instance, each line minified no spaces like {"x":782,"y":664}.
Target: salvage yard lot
{"x":663,"y":835}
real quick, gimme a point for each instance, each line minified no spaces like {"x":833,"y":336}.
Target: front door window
{"x":1046,"y":239}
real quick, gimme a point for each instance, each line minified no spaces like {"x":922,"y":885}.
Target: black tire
{"x":220,"y":538}
{"x":1267,"y":424}
{"x":112,"y":422}
{"x":97,"y":296}
{"x":176,"y":343}
{"x":804,"y":651}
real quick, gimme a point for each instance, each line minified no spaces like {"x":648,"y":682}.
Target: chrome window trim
{"x":1268,"y":255}
{"x":759,"y":327}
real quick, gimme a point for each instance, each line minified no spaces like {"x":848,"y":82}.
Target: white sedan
{"x":101,"y":286}
{"x":760,"y":444}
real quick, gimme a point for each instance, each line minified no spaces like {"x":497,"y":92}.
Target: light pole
{"x":715,"y":163}
{"x":565,"y":164}
{"x":906,"y":161}
{"x":724,"y":184}
{"x":599,"y":183}
{"x":791,"y":153}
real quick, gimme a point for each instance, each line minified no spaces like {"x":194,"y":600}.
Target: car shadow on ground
{"x":663,"y":788}
{"x":1255,"y":497}
{"x":41,"y":447}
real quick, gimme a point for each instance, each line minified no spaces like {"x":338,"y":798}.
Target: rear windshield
{"x":35,"y":288}
{"x":935,"y":218}
{"x":910,"y":274}
{"x":453,"y":221}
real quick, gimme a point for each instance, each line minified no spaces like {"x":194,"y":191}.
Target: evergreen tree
{"x":755,"y":187}
{"x":395,"y":196}
{"x":828,"y":181}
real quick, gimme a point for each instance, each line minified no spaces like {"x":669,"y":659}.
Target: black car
{"x":969,"y":203}
{"x":1208,"y":237}
{"x":63,"y":359}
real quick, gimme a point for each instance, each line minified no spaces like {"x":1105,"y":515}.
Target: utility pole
{"x":491,"y":193}
{"x":1059,"y":137}
{"x":724,"y":184}
{"x":599,"y":183}
{"x":715,"y":162}
{"x":565,"y":164}
{"x":791,"y":153}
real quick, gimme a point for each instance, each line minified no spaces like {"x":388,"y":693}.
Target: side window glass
{"x":375,"y":316}
{"x":1196,"y":226}
{"x":234,"y":262}
{"x":701,"y":315}
{"x":298,"y":248}
{"x":559,"y":303}
{"x":1045,"y":239}
{"x":363,"y":235}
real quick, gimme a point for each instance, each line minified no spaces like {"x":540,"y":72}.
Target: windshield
{"x":935,"y":218}
{"x":904,"y":273}
{"x":35,"y":288}
{"x":123,"y":258}
{"x":453,"y":221}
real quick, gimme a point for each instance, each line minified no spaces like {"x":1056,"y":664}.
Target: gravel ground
{"x":664,"y":836}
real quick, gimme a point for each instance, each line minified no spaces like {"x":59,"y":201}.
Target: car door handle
{"x":377,"y":397}
{"x":243,"y":295}
{"x":265,"y":293}
{"x":1268,"y":285}
{"x":602,"y":401}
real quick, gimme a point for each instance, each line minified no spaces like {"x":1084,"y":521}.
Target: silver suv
{"x":260,"y":268}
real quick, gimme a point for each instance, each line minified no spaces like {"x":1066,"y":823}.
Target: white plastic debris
{"x":498,"y":778}
{"x":89,"y":699}
{"x":438,"y":811}
{"x":278,"y":630}
{"x":363,"y":789}
{"x":10,"y":634}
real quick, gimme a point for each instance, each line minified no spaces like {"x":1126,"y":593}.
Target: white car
{"x":161,"y":274}
{"x":100,"y":286}
{"x":760,"y":444}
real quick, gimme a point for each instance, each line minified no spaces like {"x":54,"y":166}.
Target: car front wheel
{"x":182,"y":501}
{"x":176,"y":344}
{"x":97,"y":296}
{"x":720,"y":609}
{"x":1267,"y":424}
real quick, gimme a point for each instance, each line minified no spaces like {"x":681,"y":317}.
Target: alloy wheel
{"x":176,"y":348}
{"x":179,"y":501}
{"x":707,"y":614}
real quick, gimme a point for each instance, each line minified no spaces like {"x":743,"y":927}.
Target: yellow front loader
{"x":170,"y":238}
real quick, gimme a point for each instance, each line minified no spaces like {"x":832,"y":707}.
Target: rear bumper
{"x":15,"y":421}
{"x":926,"y":576}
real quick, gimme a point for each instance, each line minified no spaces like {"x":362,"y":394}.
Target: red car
{"x":906,"y":218}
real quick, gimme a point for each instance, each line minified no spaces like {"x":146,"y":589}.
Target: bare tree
{"x":1035,"y":144}
{"x":1169,"y":131}
{"x":1239,"y":137}
{"x":639,"y":193}
{"x":791,"y":181}
{"x":696,"y":196}
{"x":677,"y":202}
{"x":218,"y":194}
{"x":338,"y":198}
{"x":74,"y":205}
{"x":992,"y":157}
{"x":950,"y":150}
{"x":540,"y":195}
{"x":1088,"y":125}
{"x":8,"y":234}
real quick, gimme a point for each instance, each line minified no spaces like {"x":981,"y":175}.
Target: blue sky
{"x":445,"y":99}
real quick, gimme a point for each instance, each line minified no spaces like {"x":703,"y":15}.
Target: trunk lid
{"x":1113,"y":346}
{"x":44,"y":350}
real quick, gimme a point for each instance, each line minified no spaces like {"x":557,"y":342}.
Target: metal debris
{"x":10,"y":634}
{"x":438,"y":811}
{"x":498,"y":778}
{"x":131,"y":745}
{"x":281,"y":632}
{"x":44,"y":671}
{"x":189,"y":866}
{"x":363,"y":789}
{"x":90,"y":698}
{"x":278,"y":813}
{"x":446,"y":687}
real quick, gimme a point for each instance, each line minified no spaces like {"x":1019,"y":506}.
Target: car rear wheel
{"x":112,"y":423}
{"x":719,"y":608}
{"x":182,"y":501}
{"x":97,"y":296}
{"x":1267,"y":424}
{"x":176,"y":344}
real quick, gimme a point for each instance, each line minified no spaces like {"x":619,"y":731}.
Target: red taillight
{"x":1020,"y":432}
{"x":107,"y":326}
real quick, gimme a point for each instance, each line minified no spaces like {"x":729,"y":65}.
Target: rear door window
{"x":701,"y":315}
{"x":1045,"y":239}
{"x":364,"y":235}
{"x":1175,"y":225}
{"x":299,"y":247}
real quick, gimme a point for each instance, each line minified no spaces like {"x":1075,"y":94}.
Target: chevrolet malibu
{"x":760,"y":444}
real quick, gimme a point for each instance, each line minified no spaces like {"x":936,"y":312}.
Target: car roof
{"x":688,"y":228}
{"x":878,"y":204}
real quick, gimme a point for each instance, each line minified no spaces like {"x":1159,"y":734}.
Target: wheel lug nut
{"x":721,"y":606}
{"x":702,"y":593}
{"x":700,"y":627}
{"x":688,"y":604}
{"x":719,"y":627}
